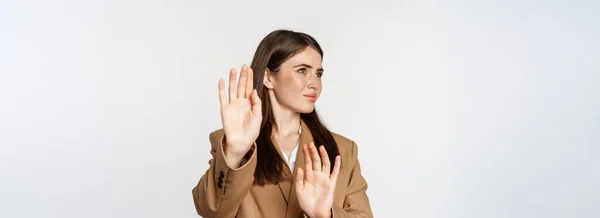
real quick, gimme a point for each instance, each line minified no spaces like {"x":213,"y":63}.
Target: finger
{"x":299,"y":179}
{"x":222,"y":98}
{"x":241,"y":89}
{"x":336,"y":169}
{"x":232,"y":93}
{"x":256,"y":104}
{"x":325,"y":159}
{"x":249,"y":82}
{"x":307,"y":159}
{"x":315,"y":158}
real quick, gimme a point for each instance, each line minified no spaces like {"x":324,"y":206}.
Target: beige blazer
{"x":226,"y":192}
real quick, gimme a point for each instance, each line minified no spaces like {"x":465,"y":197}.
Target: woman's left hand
{"x":316,"y":186}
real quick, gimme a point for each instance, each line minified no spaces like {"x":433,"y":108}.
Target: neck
{"x":287,"y":122}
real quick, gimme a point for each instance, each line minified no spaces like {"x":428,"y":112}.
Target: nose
{"x":313,"y":82}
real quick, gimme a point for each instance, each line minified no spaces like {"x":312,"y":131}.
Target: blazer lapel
{"x":293,"y":205}
{"x":284,"y":186}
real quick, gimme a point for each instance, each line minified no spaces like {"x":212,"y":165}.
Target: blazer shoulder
{"x":346,"y":146}
{"x":340,"y":139}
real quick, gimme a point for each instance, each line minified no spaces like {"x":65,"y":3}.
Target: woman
{"x":264,"y":159}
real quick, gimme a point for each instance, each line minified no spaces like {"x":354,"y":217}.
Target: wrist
{"x":232,"y":159}
{"x":233,"y":154}
{"x":235,"y":158}
{"x":235,"y":148}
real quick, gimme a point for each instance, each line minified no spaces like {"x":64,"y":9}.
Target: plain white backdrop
{"x":459,"y":108}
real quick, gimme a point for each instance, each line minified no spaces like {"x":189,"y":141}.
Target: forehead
{"x":308,"y":56}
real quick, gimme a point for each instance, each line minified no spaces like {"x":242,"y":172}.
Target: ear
{"x":268,"y":79}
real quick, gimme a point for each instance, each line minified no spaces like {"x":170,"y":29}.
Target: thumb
{"x":299,"y":179}
{"x":256,"y":103}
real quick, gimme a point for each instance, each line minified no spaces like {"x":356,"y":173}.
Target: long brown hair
{"x":277,"y":47}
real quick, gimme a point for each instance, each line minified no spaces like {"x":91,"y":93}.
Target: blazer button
{"x":221,"y":174}
{"x":220,"y":185}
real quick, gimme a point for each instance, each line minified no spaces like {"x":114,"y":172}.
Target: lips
{"x":311,"y":97}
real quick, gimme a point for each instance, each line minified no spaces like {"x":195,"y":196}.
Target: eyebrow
{"x":307,"y":66}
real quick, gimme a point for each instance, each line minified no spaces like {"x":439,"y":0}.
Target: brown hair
{"x":277,"y":47}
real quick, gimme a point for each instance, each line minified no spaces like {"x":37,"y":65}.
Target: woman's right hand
{"x":241,"y":115}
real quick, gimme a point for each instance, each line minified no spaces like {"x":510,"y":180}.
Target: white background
{"x":459,"y":108}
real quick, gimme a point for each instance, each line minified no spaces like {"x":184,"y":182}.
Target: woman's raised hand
{"x":315,"y":185}
{"x":241,"y":115}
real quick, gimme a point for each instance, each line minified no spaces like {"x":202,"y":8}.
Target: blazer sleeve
{"x":222,"y":188}
{"x":356,"y":202}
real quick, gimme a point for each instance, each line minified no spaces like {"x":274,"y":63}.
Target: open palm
{"x":316,"y":186}
{"x":241,"y":114}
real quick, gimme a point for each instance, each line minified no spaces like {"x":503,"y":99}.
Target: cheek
{"x":320,"y":86}
{"x":296,"y":82}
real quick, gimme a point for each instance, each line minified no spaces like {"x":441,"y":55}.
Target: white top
{"x":291,"y":160}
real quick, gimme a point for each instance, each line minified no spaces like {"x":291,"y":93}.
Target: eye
{"x":302,"y":70}
{"x":319,"y":74}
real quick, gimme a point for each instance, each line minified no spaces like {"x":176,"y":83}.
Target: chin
{"x":306,"y":110}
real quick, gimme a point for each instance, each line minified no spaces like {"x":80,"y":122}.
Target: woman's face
{"x":298,"y":85}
